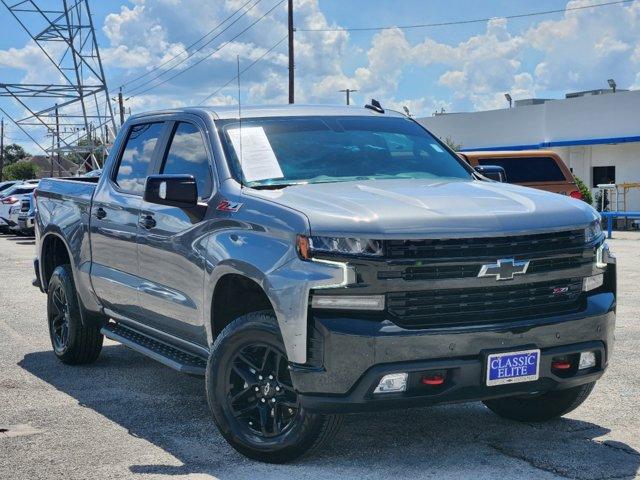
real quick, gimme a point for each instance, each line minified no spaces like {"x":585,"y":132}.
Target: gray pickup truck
{"x":315,"y":261}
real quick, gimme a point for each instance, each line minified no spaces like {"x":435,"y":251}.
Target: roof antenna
{"x":375,"y":106}
{"x":240,"y":121}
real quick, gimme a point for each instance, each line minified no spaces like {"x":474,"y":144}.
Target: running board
{"x":164,"y":353}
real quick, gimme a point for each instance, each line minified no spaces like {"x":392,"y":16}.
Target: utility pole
{"x":121,"y":106}
{"x":58,"y":138}
{"x":291,"y":62}
{"x":1,"y":147}
{"x":53,"y":147}
{"x":348,"y":91}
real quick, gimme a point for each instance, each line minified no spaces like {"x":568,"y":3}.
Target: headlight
{"x":593,"y":231}
{"x":307,"y":246}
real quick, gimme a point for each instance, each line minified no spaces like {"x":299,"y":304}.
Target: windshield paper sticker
{"x":255,"y":153}
{"x":437,"y":148}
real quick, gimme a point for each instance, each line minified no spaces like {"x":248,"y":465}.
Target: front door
{"x":114,"y":221}
{"x":171,"y":265}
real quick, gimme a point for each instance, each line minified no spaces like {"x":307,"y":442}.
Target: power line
{"x":461,"y":22}
{"x":209,"y":54}
{"x":245,"y":69}
{"x":135,"y":90}
{"x":186,"y":50}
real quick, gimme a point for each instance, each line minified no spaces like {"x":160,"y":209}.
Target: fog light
{"x":591,"y":283}
{"x":394,"y":382}
{"x":349,"y":302}
{"x":587,"y":360}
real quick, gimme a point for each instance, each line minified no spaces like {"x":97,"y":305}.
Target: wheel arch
{"x":55,"y":251}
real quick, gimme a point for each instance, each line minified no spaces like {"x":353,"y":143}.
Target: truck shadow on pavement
{"x":22,"y":240}
{"x":170,"y":410}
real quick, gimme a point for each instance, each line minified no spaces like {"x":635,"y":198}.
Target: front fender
{"x":273,"y":264}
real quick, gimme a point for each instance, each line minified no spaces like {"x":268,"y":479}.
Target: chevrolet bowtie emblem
{"x":504,"y":269}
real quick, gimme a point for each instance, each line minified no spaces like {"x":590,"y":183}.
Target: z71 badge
{"x":227,"y":206}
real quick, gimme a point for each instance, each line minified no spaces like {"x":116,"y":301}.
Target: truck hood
{"x":409,"y":208}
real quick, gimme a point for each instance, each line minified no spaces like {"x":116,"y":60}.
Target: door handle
{"x":148,"y":222}
{"x":100,"y":213}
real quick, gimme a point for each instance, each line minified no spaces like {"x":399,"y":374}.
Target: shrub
{"x":584,"y":191}
{"x":20,"y":171}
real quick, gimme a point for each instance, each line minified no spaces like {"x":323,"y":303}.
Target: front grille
{"x":492,"y":247}
{"x":442,"y":272}
{"x":473,"y":306}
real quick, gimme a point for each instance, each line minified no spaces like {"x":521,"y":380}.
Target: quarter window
{"x":136,"y":158}
{"x":187,"y":155}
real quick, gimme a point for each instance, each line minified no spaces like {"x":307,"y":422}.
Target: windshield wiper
{"x":275,"y":186}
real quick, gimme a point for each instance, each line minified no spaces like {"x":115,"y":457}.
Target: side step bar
{"x":164,"y":353}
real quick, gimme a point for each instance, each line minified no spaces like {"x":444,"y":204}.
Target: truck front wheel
{"x":252,"y":398}
{"x":541,"y":407}
{"x":73,"y":343}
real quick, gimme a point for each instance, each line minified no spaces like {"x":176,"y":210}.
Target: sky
{"x":465,"y":67}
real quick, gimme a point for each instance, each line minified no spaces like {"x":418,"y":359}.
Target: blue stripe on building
{"x":559,"y":143}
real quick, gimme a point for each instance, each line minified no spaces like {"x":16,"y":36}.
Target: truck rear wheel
{"x":540,"y":408}
{"x":73,"y":343}
{"x":252,"y":398}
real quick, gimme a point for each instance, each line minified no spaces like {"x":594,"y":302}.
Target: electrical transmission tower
{"x":71,"y":105}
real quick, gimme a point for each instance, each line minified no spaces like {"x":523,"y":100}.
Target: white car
{"x":10,"y":205}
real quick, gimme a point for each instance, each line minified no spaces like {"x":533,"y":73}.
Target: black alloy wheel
{"x":59,"y":318}
{"x":261,"y":394}
{"x":73,"y":342}
{"x":252,"y":397}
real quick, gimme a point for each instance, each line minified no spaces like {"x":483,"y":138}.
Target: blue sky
{"x":458,"y":68}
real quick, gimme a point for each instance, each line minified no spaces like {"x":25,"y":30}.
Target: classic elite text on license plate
{"x":513,"y":367}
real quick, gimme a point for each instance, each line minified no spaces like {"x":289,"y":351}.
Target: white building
{"x":597,"y":135}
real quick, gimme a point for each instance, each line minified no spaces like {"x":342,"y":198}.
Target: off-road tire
{"x":307,"y":432}
{"x":543,"y":407}
{"x":81,"y":344}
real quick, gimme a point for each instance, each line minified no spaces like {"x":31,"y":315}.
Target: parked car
{"x":8,"y":184}
{"x":26,"y":215}
{"x":541,"y":169}
{"x":10,"y":205}
{"x":312,"y":261}
{"x":93,"y":173}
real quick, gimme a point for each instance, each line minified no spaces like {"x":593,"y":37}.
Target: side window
{"x":528,"y":169}
{"x":187,"y":155}
{"x":134,"y":163}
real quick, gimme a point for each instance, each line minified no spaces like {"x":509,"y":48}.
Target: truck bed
{"x":66,"y":203}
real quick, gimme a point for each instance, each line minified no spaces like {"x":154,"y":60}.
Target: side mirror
{"x":174,"y":190}
{"x":493,"y":172}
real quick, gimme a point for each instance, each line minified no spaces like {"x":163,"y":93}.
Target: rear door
{"x":172,"y":293}
{"x":114,"y":219}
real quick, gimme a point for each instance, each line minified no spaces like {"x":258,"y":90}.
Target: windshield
{"x":289,"y":150}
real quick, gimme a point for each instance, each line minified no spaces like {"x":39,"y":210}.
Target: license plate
{"x":513,"y":367}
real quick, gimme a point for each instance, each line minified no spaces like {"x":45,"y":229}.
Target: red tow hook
{"x":561,"y":365}
{"x":432,"y":380}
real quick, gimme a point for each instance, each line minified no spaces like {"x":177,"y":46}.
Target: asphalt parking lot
{"x":129,"y":417}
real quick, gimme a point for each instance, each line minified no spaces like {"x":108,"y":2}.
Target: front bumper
{"x":349,"y":356}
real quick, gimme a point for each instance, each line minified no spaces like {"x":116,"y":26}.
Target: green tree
{"x":452,"y":144}
{"x":20,"y":171}
{"x":12,"y":153}
{"x":584,"y":190}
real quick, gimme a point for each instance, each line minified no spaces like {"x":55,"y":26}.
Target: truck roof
{"x":225,"y":112}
